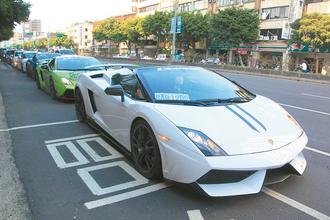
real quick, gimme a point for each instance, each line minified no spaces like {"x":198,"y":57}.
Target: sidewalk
{"x":13,"y":204}
{"x":237,"y":69}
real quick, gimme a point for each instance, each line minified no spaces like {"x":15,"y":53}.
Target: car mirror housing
{"x":116,"y":90}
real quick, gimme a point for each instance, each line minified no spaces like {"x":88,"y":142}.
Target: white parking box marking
{"x":96,"y":157}
{"x":71,"y":138}
{"x":318,"y":96}
{"x":53,"y":150}
{"x":39,"y":125}
{"x":127,"y":195}
{"x":95,"y":188}
{"x":318,"y":151}
{"x":195,"y":214}
{"x":305,"y":109}
{"x":309,"y":211}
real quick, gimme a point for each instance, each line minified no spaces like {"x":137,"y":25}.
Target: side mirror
{"x":115,"y":90}
{"x":44,"y":66}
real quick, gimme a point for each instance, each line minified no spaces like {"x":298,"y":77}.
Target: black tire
{"x":80,"y":106}
{"x":145,"y":150}
{"x":38,"y":81}
{"x":52,"y":89}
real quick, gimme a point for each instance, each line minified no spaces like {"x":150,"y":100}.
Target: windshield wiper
{"x":183,"y":102}
{"x":229,"y":100}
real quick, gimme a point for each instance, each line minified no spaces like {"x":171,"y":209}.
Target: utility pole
{"x":175,"y":8}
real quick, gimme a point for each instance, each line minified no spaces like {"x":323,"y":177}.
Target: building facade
{"x":32,"y":29}
{"x":82,"y":35}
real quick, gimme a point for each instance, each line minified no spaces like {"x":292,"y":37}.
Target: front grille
{"x":224,"y":176}
{"x":278,"y":175}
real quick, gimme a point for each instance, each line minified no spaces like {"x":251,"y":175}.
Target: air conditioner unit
{"x":275,"y":38}
{"x":266,"y":37}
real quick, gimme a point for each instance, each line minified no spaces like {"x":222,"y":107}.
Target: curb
{"x":13,"y":202}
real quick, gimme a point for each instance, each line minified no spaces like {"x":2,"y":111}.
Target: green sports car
{"x":58,"y":76}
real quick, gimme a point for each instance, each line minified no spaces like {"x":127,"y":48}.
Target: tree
{"x":12,"y":12}
{"x":314,"y":30}
{"x":235,"y":26}
{"x":133,"y":32}
{"x":158,"y":25}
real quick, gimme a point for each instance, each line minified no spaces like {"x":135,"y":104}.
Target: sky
{"x":58,"y":14}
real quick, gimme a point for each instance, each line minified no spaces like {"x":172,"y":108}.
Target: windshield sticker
{"x":172,"y":96}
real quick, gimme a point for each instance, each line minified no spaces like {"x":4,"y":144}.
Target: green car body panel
{"x":61,"y":81}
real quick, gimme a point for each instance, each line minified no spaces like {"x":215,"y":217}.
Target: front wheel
{"x":145,"y":150}
{"x":80,"y":106}
{"x":38,"y":81}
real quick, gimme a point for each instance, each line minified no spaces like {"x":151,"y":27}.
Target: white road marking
{"x":195,"y":214}
{"x":309,"y":211}
{"x":318,"y":151}
{"x":81,"y":159}
{"x":38,"y":125}
{"x":71,"y":138}
{"x":95,"y":187}
{"x":305,"y":109}
{"x":126,"y":195}
{"x":96,"y":157}
{"x":318,"y":96}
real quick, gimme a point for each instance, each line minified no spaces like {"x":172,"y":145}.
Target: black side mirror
{"x":44,"y":66}
{"x":115,"y":90}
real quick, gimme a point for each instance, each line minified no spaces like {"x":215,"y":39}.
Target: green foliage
{"x":235,"y":26}
{"x":110,"y":29}
{"x":12,"y":12}
{"x":64,"y":41}
{"x":313,"y":29}
{"x":132,"y":31}
{"x":294,"y":33}
{"x":195,"y":27}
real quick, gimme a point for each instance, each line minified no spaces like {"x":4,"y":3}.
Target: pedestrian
{"x":303,"y":67}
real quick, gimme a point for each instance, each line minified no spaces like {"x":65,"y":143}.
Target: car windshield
{"x":76,"y":63}
{"x":29,"y":55}
{"x":191,"y":85}
{"x":44,"y":56}
{"x":18,"y":53}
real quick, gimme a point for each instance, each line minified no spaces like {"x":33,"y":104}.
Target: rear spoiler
{"x":114,"y":66}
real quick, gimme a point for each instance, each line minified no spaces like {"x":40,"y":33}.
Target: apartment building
{"x":82,"y":34}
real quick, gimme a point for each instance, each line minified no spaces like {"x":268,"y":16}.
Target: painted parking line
{"x":309,"y":211}
{"x":127,"y":195}
{"x":71,"y":138}
{"x":317,"y":96}
{"x":318,"y":151}
{"x":305,"y":109}
{"x":38,"y":125}
{"x":195,"y":215}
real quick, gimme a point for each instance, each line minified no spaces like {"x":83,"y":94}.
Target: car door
{"x":46,"y":74}
{"x":117,"y":115}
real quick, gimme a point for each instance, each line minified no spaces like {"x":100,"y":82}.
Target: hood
{"x":70,"y":75}
{"x":256,"y":126}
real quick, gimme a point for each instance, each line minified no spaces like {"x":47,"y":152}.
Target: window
{"x":52,"y":64}
{"x":86,"y":29}
{"x":275,"y":13}
{"x":86,"y":36}
{"x":132,"y":87}
{"x":271,"y":34}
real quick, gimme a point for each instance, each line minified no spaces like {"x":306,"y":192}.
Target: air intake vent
{"x":100,"y":75}
{"x":91,"y":99}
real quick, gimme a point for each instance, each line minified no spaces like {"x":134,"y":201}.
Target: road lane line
{"x":318,"y":96}
{"x":126,"y":195}
{"x":305,"y":109}
{"x":71,"y":138}
{"x":39,"y":125}
{"x":318,"y":151}
{"x":309,"y":211}
{"x":195,"y":214}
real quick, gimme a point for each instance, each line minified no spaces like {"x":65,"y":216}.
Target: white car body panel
{"x":244,"y":135}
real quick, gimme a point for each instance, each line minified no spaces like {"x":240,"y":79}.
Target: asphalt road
{"x":67,"y":175}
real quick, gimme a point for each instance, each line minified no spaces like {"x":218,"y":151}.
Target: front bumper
{"x":252,"y":168}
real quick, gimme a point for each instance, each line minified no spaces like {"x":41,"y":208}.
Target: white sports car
{"x":192,"y":125}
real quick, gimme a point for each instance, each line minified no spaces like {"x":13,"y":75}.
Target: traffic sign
{"x":178,"y":25}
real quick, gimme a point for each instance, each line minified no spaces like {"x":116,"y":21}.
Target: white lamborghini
{"x":192,"y":125}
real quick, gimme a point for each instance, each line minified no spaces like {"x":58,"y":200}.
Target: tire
{"x":38,"y":81}
{"x":52,"y":89}
{"x":145,"y":150}
{"x":80,"y":106}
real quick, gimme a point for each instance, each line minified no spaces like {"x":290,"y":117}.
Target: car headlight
{"x":66,"y":81}
{"x":203,"y":142}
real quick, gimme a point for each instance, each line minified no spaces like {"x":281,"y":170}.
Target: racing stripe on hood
{"x":242,"y":118}
{"x":251,"y":116}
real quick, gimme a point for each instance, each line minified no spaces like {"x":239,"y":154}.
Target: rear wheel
{"x":80,"y":106}
{"x":52,"y":89}
{"x":145,"y":150}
